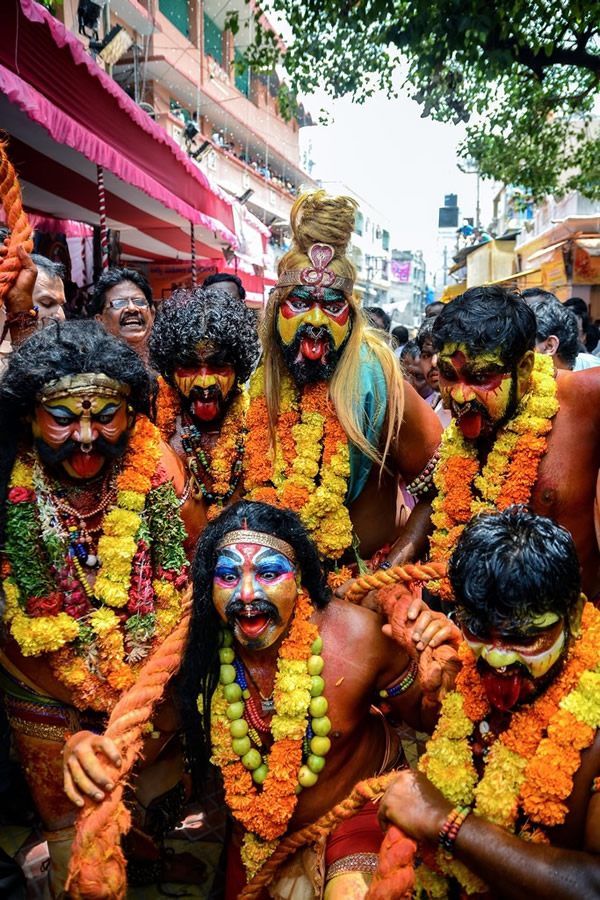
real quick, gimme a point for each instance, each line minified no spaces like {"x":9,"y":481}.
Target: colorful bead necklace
{"x":199,"y":466}
{"x":261,"y":787}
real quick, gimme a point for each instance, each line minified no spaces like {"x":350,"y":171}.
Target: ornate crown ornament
{"x":82,"y":384}
{"x":318,"y":276}
{"x":245,"y":536}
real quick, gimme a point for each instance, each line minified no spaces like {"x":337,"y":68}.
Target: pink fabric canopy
{"x":46,"y":72}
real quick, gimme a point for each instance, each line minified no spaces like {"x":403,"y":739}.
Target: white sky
{"x":401,"y":164}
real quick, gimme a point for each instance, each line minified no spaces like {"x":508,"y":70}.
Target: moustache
{"x":207,"y":393}
{"x":52,"y":457}
{"x":472,"y":406}
{"x":259,"y":607}
{"x":136,"y":316}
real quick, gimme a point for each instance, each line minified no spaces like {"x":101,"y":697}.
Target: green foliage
{"x":523,"y":74}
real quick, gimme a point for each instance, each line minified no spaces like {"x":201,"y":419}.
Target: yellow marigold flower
{"x":103,"y":620}
{"x":110,"y":592}
{"x":131,"y":500}
{"x":43,"y":634}
{"x":11,"y":594}
{"x":121,"y":523}
{"x":21,"y":475}
{"x":287,"y":727}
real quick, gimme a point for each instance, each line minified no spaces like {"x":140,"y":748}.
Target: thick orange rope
{"x":97,"y":868}
{"x":361,"y":794}
{"x":394,"y":876}
{"x":10,"y":194}
{"x":383,"y":577}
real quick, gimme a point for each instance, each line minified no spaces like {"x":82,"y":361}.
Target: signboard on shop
{"x":400,"y":271}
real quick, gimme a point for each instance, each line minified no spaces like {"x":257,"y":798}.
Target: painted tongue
{"x":503,"y":691}
{"x":86,"y":465}
{"x":205,"y":410}
{"x":470,"y":425}
{"x":253,"y":625}
{"x":313,"y":349}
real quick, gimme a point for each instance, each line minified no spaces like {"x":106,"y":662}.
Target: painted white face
{"x":254,"y":590}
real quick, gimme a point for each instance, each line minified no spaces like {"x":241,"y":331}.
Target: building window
{"x":176,"y":12}
{"x":385,"y":240}
{"x":213,"y":39}
{"x":242,"y":82}
{"x":359,"y":222}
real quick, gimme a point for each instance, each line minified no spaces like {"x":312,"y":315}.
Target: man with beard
{"x":122,"y":302}
{"x":517,"y":741}
{"x":93,"y":566}
{"x":332,"y":426}
{"x":204,"y":344}
{"x":519,"y":434}
{"x":286,"y":678}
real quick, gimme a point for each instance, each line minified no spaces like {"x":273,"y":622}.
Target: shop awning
{"x":65,"y":116}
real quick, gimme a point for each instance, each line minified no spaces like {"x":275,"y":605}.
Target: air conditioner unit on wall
{"x":212,"y":160}
{"x":245,"y":180}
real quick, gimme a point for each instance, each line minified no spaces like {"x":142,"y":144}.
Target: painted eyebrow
{"x":268,"y":556}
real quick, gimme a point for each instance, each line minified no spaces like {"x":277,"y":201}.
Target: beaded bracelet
{"x":405,"y":684}
{"x":422,"y":482}
{"x":596,"y":785}
{"x":450,"y":828}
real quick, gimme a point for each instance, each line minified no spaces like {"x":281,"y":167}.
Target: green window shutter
{"x":213,"y":39}
{"x":385,"y":241}
{"x":359,"y":222}
{"x":176,"y":12}
{"x":242,"y":82}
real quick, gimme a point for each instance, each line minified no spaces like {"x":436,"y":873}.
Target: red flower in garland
{"x":50,"y":605}
{"x":20,"y":495}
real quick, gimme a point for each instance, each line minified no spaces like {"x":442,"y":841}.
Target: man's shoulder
{"x":578,"y":386}
{"x":345,"y":615}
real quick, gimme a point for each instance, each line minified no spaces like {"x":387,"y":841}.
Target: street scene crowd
{"x":262,"y":548}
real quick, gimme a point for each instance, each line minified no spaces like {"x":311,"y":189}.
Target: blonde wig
{"x":317,"y":217}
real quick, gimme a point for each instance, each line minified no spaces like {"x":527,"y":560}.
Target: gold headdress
{"x":245,"y":536}
{"x":83,"y":384}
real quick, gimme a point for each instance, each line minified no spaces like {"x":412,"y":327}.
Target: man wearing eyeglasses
{"x":122,"y":302}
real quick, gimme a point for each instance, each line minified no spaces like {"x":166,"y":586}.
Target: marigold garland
{"x":92,"y":649}
{"x":265,"y":813}
{"x":529,"y":769}
{"x":508,"y":476}
{"x":310,"y":466}
{"x":224,"y":453}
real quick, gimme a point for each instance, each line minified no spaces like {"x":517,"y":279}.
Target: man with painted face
{"x":517,"y":741}
{"x":286,"y":678}
{"x":332,"y":425}
{"x":520,"y":432}
{"x":204,"y":344}
{"x":92,"y":565}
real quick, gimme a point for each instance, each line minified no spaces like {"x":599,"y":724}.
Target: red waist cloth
{"x":360,"y":834}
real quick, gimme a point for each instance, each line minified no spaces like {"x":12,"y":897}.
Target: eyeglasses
{"x":122,"y":302}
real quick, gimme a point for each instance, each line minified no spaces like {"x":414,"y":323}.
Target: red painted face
{"x":83,"y":421}
{"x":301,"y":308}
{"x":254,"y":589}
{"x":207,"y":384}
{"x":478,"y":389}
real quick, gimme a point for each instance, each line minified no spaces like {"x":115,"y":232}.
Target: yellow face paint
{"x":537,"y":653}
{"x":301,"y":308}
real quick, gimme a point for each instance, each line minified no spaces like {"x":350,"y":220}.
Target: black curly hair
{"x":59,"y":349}
{"x":200,"y":670}
{"x":487,"y":318}
{"x":191,"y":316}
{"x":512,"y":566}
